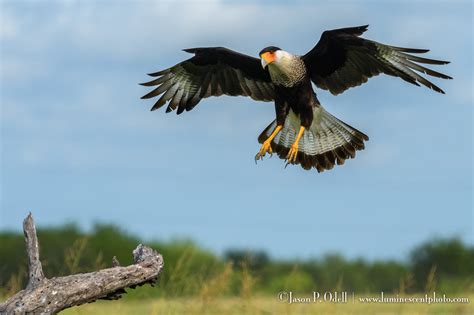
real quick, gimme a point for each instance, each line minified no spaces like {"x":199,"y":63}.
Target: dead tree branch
{"x":44,"y":295}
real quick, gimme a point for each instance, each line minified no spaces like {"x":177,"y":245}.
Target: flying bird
{"x":303,"y":132}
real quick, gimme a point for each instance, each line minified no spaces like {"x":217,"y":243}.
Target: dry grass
{"x":260,"y":305}
{"x":213,"y":299}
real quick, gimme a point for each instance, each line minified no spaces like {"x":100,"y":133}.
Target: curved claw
{"x":292,"y":154}
{"x":266,"y":147}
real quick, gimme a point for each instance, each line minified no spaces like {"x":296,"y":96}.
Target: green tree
{"x":450,"y":260}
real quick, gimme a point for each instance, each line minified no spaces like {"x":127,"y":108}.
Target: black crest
{"x":269,"y":49}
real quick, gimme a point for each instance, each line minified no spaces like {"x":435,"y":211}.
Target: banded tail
{"x":327,"y":142}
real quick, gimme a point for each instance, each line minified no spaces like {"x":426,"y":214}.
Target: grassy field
{"x":246,"y":282}
{"x":261,"y":305}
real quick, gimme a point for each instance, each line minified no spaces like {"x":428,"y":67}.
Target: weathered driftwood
{"x":44,"y":295}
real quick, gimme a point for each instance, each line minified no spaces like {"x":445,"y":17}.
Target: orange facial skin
{"x":269,"y":57}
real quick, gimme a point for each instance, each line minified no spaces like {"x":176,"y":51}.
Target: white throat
{"x":287,"y":69}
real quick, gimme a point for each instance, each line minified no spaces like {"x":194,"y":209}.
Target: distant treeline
{"x":445,"y":265}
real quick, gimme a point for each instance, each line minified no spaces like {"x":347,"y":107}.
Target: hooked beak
{"x":267,"y":58}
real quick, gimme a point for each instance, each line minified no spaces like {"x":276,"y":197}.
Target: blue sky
{"x":78,"y":145}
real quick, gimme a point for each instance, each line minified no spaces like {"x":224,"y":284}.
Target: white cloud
{"x":8,"y":26}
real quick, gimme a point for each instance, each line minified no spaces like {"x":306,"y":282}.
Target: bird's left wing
{"x":210,"y":72}
{"x":341,"y":59}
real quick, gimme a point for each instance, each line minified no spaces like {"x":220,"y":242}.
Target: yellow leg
{"x":291,"y":157}
{"x":267,"y":144}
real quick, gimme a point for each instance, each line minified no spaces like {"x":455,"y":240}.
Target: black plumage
{"x":210,"y":72}
{"x":341,"y":59}
{"x":303,"y":132}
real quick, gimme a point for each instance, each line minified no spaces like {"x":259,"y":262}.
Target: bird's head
{"x":270,"y":55}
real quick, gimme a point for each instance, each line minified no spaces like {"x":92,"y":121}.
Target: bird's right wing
{"x":210,"y":72}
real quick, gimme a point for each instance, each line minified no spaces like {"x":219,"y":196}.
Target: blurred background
{"x":100,"y":172}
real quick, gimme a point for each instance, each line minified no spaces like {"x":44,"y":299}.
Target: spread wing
{"x":341,"y":59}
{"x":210,"y":72}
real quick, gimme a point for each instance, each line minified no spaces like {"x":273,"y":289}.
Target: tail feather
{"x":328,"y":141}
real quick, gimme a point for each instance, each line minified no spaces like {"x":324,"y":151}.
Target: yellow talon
{"x":266,"y":147}
{"x":293,"y":153}
{"x":267,"y":144}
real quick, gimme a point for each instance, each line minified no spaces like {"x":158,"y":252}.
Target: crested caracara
{"x":303,"y":132}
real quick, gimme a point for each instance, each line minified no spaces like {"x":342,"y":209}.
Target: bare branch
{"x":35,"y":270}
{"x":44,"y":295}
